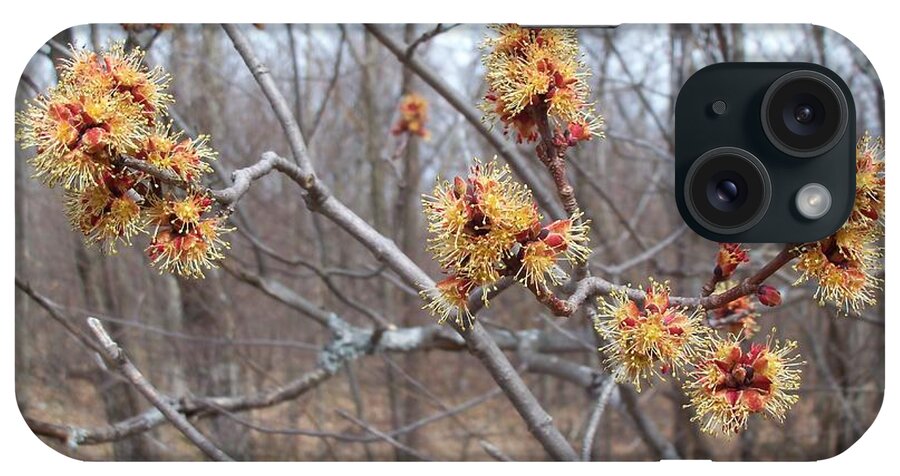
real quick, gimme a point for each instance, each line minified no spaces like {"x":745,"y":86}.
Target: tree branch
{"x":516,"y":161}
{"x":590,"y":432}
{"x":189,"y":407}
{"x":553,"y":157}
{"x":279,"y":105}
{"x":115,"y":355}
{"x":593,"y":286}
{"x":383,"y":436}
{"x":320,"y":200}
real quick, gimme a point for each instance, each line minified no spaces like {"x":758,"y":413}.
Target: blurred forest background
{"x":244,"y":331}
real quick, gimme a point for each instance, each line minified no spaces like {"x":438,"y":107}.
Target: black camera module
{"x":779,"y":166}
{"x":804,"y":113}
{"x":728,"y":190}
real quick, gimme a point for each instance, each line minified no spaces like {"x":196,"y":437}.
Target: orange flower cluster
{"x":729,"y":257}
{"x":107,"y":212}
{"x":486,"y":226}
{"x":647,"y":338}
{"x":644,"y":343}
{"x":185,"y":240}
{"x":109,"y":105}
{"x":413,"y":116}
{"x":844,"y":264}
{"x":533,"y":71}
{"x":729,"y":384}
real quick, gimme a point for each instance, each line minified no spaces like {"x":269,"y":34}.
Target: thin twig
{"x":53,"y":310}
{"x":279,"y":105}
{"x":647,"y":254}
{"x":427,"y":36}
{"x":554,"y":158}
{"x":382,"y":435}
{"x":449,"y":413}
{"x":593,"y":184}
{"x":590,"y":432}
{"x":594,"y":286}
{"x":493,"y":451}
{"x":115,"y":355}
{"x":335,"y":74}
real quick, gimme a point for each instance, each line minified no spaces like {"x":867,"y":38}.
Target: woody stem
{"x":710,"y":286}
{"x":750,"y":284}
{"x":594,"y":285}
{"x":553,"y":156}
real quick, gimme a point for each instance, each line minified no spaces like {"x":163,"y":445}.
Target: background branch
{"x":115,"y":355}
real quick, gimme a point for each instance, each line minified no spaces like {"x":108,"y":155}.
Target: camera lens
{"x":804,"y":113}
{"x":727,"y":190}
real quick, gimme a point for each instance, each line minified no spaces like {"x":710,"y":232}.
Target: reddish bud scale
{"x":768,"y":295}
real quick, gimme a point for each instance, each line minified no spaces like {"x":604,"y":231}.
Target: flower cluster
{"x":534,"y":71}
{"x":647,"y":342}
{"x":868,"y":208}
{"x":109,"y":106}
{"x":844,"y":264}
{"x":107,"y":213}
{"x":185,"y":240}
{"x":729,"y":257}
{"x":487,"y":226}
{"x":413,"y":116}
{"x":728,"y":383}
{"x":186,"y":158}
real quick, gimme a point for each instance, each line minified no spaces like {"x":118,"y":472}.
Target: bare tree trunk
{"x":208,"y":311}
{"x":24,"y":353}
{"x":372,"y":154}
{"x":407,"y":220}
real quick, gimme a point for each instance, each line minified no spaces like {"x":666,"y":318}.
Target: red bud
{"x":768,"y":295}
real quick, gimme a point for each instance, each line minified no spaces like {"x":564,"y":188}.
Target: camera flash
{"x":813,"y":201}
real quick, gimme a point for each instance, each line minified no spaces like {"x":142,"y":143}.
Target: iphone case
{"x":420,"y":242}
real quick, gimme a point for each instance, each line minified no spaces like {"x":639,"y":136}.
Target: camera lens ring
{"x":709,"y":169}
{"x":836,"y":99}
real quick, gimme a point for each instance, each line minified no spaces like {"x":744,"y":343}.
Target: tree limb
{"x":593,"y":286}
{"x":590,"y":432}
{"x":507,"y":151}
{"x":115,"y":355}
{"x":320,"y":200}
